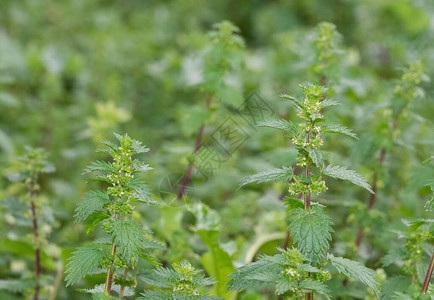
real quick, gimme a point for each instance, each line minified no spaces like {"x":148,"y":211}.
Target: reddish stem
{"x":36,"y":238}
{"x":197,"y":145}
{"x":428,"y":276}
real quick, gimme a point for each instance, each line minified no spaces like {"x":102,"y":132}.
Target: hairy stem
{"x":121,"y":292}
{"x":57,"y":282}
{"x":197,"y":145}
{"x":109,"y":278}
{"x":309,"y":296}
{"x":36,"y":238}
{"x":428,"y":275}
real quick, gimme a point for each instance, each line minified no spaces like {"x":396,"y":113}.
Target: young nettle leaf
{"x":129,"y":237}
{"x":182,"y":282}
{"x":273,"y":175}
{"x":311,"y":230}
{"x":289,"y":273}
{"x":92,"y":202}
{"x":343,"y":173}
{"x":340,"y":130}
{"x":355,"y":270}
{"x":113,"y":206}
{"x":84,"y":261}
{"x":284,"y":125}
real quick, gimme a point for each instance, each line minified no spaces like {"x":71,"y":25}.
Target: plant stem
{"x":428,"y":275}
{"x":198,"y":144}
{"x":36,"y":238}
{"x":121,"y":292}
{"x":57,"y":282}
{"x":109,"y":278}
{"x":309,"y":296}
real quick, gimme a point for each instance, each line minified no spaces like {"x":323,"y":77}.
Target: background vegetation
{"x":74,"y":72}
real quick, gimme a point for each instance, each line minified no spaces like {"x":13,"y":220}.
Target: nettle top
{"x":304,"y":269}
{"x":128,"y":238}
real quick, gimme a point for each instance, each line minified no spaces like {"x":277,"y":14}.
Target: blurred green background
{"x":74,"y":72}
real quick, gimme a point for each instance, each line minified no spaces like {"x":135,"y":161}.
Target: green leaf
{"x":129,"y":238}
{"x":102,"y":296}
{"x":152,"y":244}
{"x":315,"y":286}
{"x":350,"y":175}
{"x":297,"y":102}
{"x":141,"y":191}
{"x":100,"y":165}
{"x":92,"y":202}
{"x":394,"y":284}
{"x":311,"y":231}
{"x":273,"y":175}
{"x":284,"y":125}
{"x":284,"y":284}
{"x":292,"y":203}
{"x":339,"y":130}
{"x":329,"y":102}
{"x":162,"y":295}
{"x":95,"y":218}
{"x":83,"y":261}
{"x":355,"y":270}
{"x":216,"y":261}
{"x":318,"y":157}
{"x":254,"y":275}
{"x":150,"y":259}
{"x":192,"y":117}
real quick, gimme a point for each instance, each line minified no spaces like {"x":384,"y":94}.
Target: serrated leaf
{"x":394,"y":284}
{"x":150,"y":259}
{"x":297,"y":102}
{"x":311,"y":230}
{"x":141,"y":191}
{"x":317,"y":156}
{"x":292,"y":203}
{"x":95,"y":218}
{"x":92,"y":201}
{"x":162,"y":295}
{"x":100,"y":165}
{"x":254,"y":275}
{"x":152,"y":244}
{"x":129,"y":238}
{"x":102,"y":296}
{"x":329,"y":102}
{"x":350,"y":175}
{"x":284,"y":284}
{"x":84,"y":261}
{"x":284,"y":125}
{"x":315,"y":286}
{"x":357,"y":271}
{"x":339,"y":130}
{"x":273,"y":175}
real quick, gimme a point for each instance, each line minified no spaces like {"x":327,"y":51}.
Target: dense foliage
{"x":331,"y":212}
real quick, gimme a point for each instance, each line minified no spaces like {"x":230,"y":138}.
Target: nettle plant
{"x":406,"y":91}
{"x":183,"y":282}
{"x":303,"y":270}
{"x":125,"y":239}
{"x":223,"y":59}
{"x":27,"y":171}
{"x":413,"y":257}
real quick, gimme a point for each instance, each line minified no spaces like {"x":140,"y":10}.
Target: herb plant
{"x":183,"y":282}
{"x":125,"y":239}
{"x":406,"y":91}
{"x":222,"y":57}
{"x":303,"y":271}
{"x":28,"y":169}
